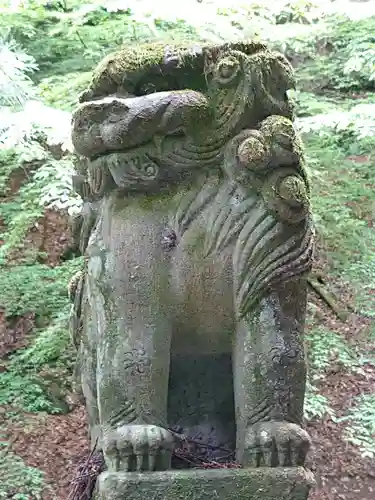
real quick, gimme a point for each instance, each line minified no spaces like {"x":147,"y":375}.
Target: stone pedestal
{"x":224,"y":484}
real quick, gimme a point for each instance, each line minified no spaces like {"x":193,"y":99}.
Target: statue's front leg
{"x":128,"y":287}
{"x":272,"y":253}
{"x":270,"y":375}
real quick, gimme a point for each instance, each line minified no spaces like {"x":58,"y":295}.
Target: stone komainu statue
{"x":197,"y":233}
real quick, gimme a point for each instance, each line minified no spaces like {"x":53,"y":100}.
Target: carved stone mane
{"x":197,"y":233}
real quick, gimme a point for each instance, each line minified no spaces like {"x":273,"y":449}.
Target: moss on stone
{"x":286,"y":195}
{"x":278,"y":125}
{"x":165,"y":66}
{"x":279,"y":131}
{"x":229,"y":484}
{"x":253,"y":152}
{"x":292,"y":190}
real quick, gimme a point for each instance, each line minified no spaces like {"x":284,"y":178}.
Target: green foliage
{"x":15,"y":84}
{"x":325,"y":348}
{"x":346,"y":62}
{"x":309,"y":104}
{"x":296,"y":12}
{"x":316,"y":406}
{"x":47,"y":361}
{"x":37,"y":288}
{"x":54,"y":182}
{"x":26,"y":392}
{"x":47,"y":182}
{"x":19,"y":215}
{"x":357,"y":54}
{"x":18,"y":480}
{"x":51,"y":346}
{"x":8,"y":164}
{"x":62,"y":91}
{"x":344,"y":205}
{"x":43,"y":290}
{"x":361,"y":424}
{"x":75,"y":41}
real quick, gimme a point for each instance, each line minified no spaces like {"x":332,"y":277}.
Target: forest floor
{"x":341,"y":472}
{"x":56,"y":443}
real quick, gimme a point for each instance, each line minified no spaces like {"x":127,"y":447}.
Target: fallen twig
{"x":9,"y":445}
{"x":87,"y":472}
{"x":328,"y":297}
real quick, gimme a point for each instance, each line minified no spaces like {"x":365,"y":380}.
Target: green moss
{"x":280,"y":132}
{"x":253,"y":152}
{"x":230,"y":484}
{"x":165,"y":66}
{"x":278,"y":126}
{"x":286,"y":195}
{"x":293,"y":190}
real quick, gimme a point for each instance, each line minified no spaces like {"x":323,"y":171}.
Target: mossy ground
{"x":35,"y":349}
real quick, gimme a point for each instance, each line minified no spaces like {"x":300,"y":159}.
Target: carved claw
{"x":276,"y":444}
{"x":138,"y":448}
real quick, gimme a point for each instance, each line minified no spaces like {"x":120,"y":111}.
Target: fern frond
{"x":16,"y":87}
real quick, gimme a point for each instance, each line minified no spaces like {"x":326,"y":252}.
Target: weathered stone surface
{"x":198,"y":235}
{"x":156,"y":67}
{"x":225,"y":484}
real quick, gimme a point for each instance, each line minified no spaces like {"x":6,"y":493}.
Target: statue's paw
{"x":276,"y":444}
{"x":138,"y":448}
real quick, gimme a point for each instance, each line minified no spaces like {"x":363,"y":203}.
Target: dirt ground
{"x":55,"y":444}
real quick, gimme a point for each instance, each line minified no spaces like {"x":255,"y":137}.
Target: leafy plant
{"x":340,"y":127}
{"x":361,"y":61}
{"x":310,"y":105}
{"x":346,"y":62}
{"x":49,"y":184}
{"x":26,"y":392}
{"x":316,"y":406}
{"x":62,"y":91}
{"x":18,"y":480}
{"x":15,"y":84}
{"x":8,"y":164}
{"x":23,"y":383}
{"x":299,"y":11}
{"x":51,"y":346}
{"x":19,"y":293}
{"x":77,"y":39}
{"x":343,"y":202}
{"x":326,"y":347}
{"x":361,"y":424}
